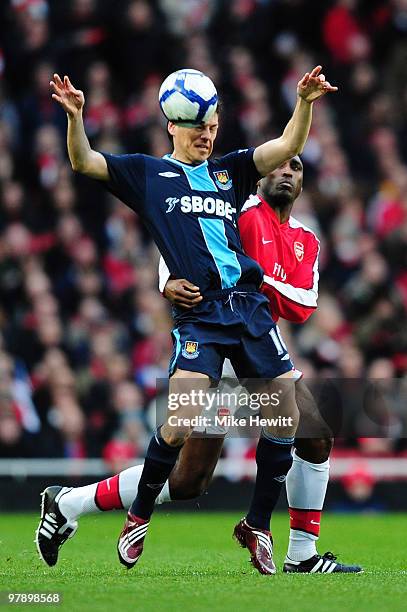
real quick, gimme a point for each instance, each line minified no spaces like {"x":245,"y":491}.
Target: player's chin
{"x":202,"y":153}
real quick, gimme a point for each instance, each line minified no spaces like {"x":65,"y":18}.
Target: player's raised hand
{"x":70,"y":98}
{"x":181,"y":292}
{"x":313,"y":85}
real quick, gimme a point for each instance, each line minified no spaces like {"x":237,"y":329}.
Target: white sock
{"x":164,"y":496}
{"x":81,"y":500}
{"x":306,"y":485}
{"x":128,"y":486}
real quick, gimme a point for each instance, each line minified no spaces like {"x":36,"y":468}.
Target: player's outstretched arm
{"x":271,"y":154}
{"x":83,"y":159}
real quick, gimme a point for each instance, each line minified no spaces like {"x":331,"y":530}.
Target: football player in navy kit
{"x":190,"y":206}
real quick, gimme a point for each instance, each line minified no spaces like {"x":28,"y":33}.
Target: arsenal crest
{"x":190,"y":350}
{"x":222,"y":179}
{"x":299,"y":250}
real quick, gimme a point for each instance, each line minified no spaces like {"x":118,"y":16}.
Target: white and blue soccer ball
{"x":188,"y":97}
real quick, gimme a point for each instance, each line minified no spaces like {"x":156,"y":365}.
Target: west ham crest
{"x":222,"y":179}
{"x":190,"y":350}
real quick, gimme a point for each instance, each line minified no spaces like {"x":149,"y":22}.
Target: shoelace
{"x":62,"y":537}
{"x":329,"y":556}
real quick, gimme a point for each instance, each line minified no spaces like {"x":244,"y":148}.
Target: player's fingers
{"x":321,"y":77}
{"x":189,"y":286}
{"x":56,"y":98}
{"x":58,"y":80}
{"x":304,"y":80}
{"x":188,"y":295}
{"x":315,"y":71}
{"x":196,"y":300}
{"x":183,"y":303}
{"x":71,"y":87}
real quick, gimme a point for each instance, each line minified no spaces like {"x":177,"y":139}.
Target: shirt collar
{"x":190,"y":167}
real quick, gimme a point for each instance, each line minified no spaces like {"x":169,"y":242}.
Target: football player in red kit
{"x":285,"y":248}
{"x":288,"y":253}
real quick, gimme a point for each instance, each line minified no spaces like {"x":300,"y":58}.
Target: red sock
{"x":107,"y":494}
{"x":305,"y":520}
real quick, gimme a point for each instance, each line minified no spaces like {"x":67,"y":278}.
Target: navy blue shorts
{"x":238,"y":326}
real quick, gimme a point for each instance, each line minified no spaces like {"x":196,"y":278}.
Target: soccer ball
{"x":188,"y":97}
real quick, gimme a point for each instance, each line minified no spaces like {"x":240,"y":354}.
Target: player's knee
{"x":314,"y":450}
{"x":175,"y":436}
{"x":287,"y":406}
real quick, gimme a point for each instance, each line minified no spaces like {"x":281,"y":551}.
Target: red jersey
{"x":288,"y":253}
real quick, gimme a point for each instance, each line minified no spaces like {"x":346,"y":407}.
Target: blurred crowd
{"x":84,"y":333}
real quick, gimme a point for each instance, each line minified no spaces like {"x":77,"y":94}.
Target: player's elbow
{"x":78,"y":165}
{"x":304,"y":315}
{"x":92,"y":165}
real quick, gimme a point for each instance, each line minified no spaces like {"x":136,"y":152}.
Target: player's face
{"x":194,"y":145}
{"x":284,"y":184}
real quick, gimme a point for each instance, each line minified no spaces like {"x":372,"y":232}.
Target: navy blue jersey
{"x":191,"y":213}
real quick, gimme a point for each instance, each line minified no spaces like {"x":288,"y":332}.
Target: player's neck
{"x":282,"y":212}
{"x":184,"y":159}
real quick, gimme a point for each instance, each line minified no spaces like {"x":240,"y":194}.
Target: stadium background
{"x":84,"y":332}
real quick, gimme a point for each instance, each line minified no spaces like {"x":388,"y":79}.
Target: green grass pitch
{"x":191,"y":563}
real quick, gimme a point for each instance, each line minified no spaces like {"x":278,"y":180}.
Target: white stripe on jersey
{"x":252,"y":200}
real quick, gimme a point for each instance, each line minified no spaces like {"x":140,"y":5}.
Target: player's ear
{"x":171,"y":128}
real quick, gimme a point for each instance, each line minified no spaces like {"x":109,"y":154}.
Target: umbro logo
{"x":266,"y":241}
{"x":168,"y":174}
{"x":154,"y":485}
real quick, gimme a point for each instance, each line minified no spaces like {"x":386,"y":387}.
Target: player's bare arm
{"x":82,"y":157}
{"x":271,"y":154}
{"x":181,"y":292}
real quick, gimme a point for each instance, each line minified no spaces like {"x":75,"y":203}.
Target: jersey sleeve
{"x":243,"y":173}
{"x":163,"y":274}
{"x":127,"y":179}
{"x":297,"y":299}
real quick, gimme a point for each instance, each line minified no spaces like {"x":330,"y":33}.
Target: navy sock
{"x":158,"y":464}
{"x":273,"y":458}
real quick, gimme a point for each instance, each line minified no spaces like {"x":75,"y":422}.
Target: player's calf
{"x":193,"y":471}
